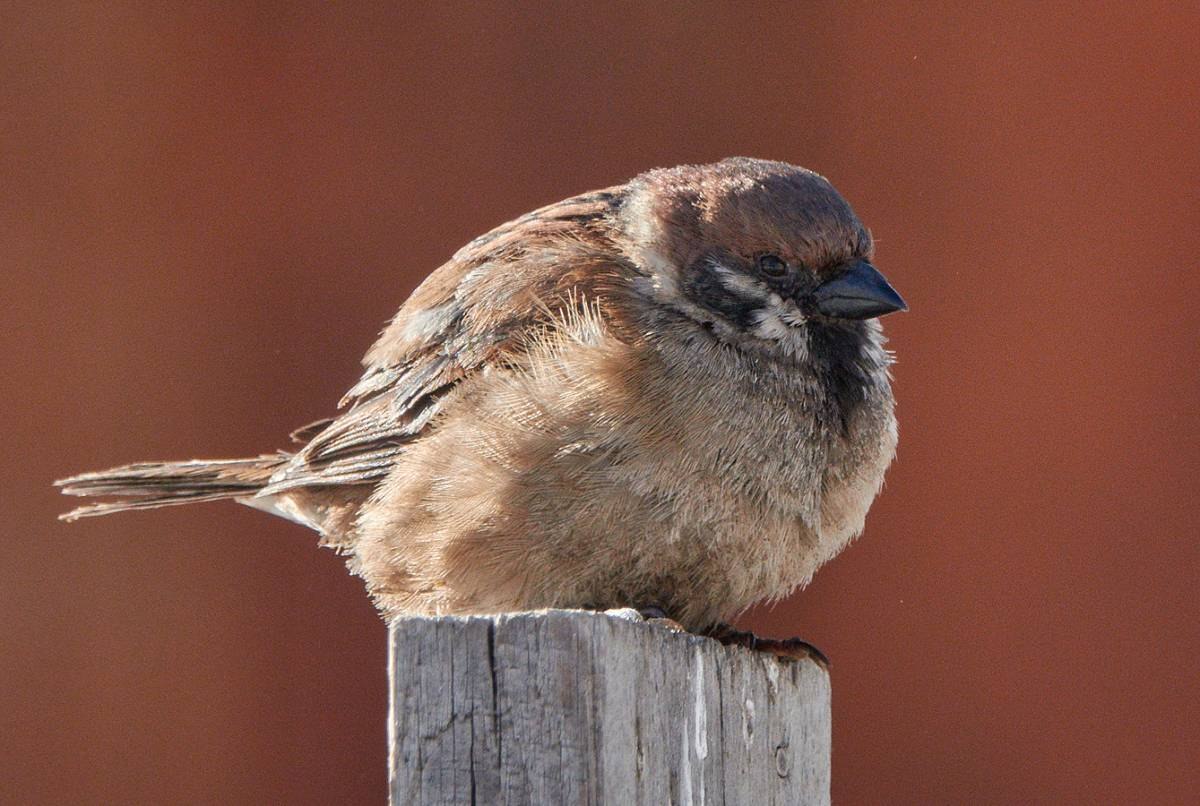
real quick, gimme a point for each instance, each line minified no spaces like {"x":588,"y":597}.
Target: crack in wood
{"x":579,"y":707}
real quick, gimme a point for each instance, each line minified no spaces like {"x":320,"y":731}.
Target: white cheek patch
{"x":777,"y":320}
{"x":780,"y":322}
{"x":741,"y":285}
{"x":769,"y":325}
{"x":790,"y":314}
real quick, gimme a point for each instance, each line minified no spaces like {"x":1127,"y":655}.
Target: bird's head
{"x":753,"y":249}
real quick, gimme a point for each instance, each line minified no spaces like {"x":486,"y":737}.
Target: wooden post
{"x":573,"y":707}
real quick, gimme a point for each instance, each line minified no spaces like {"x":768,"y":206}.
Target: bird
{"x":671,"y":395}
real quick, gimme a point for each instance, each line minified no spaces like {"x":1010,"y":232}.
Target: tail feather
{"x":162,"y":484}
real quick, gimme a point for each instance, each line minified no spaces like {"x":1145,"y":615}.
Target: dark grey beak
{"x":860,"y":292}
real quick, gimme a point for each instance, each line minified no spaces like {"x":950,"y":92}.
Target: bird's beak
{"x":860,"y":292}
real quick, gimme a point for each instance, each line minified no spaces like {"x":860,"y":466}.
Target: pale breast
{"x":602,"y":472}
{"x":767,"y":463}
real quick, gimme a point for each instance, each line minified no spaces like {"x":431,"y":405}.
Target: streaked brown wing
{"x":476,"y":309}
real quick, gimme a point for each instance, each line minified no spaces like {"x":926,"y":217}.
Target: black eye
{"x":772,"y":265}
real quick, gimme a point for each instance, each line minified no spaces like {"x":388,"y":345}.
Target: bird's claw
{"x":788,"y":649}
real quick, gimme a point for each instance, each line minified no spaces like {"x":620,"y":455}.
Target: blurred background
{"x":209,"y":210}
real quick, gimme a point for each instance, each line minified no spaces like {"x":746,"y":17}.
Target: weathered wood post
{"x":572,"y":707}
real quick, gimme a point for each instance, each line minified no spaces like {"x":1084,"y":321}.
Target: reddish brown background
{"x":208,"y":210}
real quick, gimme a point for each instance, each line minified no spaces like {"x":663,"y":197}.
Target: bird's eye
{"x":772,"y":265}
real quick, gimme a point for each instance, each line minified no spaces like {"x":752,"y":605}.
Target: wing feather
{"x":478,"y":309}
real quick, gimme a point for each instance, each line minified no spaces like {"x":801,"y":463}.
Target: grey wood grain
{"x":575,"y":707}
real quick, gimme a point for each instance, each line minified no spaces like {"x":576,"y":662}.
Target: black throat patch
{"x":836,"y":353}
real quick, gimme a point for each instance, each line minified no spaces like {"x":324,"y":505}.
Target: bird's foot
{"x":788,"y":649}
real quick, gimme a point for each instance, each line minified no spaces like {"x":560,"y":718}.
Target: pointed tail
{"x":163,"y":484}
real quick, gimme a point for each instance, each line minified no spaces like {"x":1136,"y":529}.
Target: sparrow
{"x":671,"y":394}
